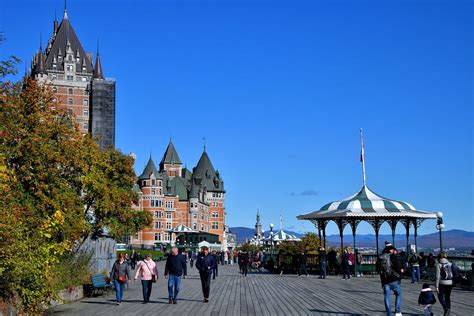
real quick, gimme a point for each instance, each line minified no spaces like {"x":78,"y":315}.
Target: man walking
{"x":302,"y":264}
{"x":175,"y":267}
{"x":205,"y":263}
{"x":414,"y":262}
{"x":390,"y":269}
{"x":322,"y":263}
{"x":215,"y":269}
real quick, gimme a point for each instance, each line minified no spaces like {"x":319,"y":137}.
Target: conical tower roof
{"x":149,"y":169}
{"x":170,"y":156}
{"x":207,"y":174}
{"x":98,"y":67}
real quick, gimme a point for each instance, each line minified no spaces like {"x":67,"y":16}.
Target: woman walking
{"x":446,"y":273}
{"x":120,"y":275}
{"x":148,"y":273}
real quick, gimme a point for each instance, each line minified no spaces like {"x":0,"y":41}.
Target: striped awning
{"x":183,"y":229}
{"x":366,"y":204}
{"x":281,"y":235}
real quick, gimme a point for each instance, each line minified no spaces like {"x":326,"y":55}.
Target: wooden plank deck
{"x":264,"y":294}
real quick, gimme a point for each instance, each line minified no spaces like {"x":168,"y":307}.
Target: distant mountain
{"x":451,"y":238}
{"x":244,"y":233}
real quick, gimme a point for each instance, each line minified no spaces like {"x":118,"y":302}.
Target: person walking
{"x":193,"y":258}
{"x":446,"y":273}
{"x":133,"y":259}
{"x":302,"y":264}
{"x":120,"y":275}
{"x":148,"y":274}
{"x":175,"y":267}
{"x":345,"y":265}
{"x":322,"y":263}
{"x":205,"y":263}
{"x":215,"y":268}
{"x":426,"y":299}
{"x":390,"y":269}
{"x":414,"y":262}
{"x":244,"y":256}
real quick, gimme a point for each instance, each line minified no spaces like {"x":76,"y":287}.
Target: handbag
{"x":153,"y":277}
{"x":121,"y":278}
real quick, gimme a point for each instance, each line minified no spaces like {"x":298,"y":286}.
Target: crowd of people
{"x":391,"y":265}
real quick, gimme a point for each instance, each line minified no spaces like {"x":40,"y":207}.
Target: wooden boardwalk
{"x":264,"y":294}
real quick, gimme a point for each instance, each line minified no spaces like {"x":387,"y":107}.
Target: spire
{"x":170,"y":156}
{"x":55,"y":25}
{"x":98,"y":67}
{"x":362,"y":156}
{"x":65,"y":11}
{"x":40,"y":69}
{"x":281,"y":222}
{"x":204,"y":142}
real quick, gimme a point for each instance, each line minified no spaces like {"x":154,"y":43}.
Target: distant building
{"x":187,"y":207}
{"x":259,"y":233}
{"x":78,"y":86}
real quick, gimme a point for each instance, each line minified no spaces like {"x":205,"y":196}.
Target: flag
{"x":362,"y":152}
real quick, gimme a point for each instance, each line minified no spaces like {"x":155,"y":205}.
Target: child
{"x":426,"y":299}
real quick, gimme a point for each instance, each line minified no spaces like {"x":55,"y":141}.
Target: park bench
{"x":99,"y":283}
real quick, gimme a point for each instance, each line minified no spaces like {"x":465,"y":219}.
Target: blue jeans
{"x":119,"y":290}
{"x":395,"y":287}
{"x":322,"y":274}
{"x":415,"y":274}
{"x":146,"y":288}
{"x":174,"y":281}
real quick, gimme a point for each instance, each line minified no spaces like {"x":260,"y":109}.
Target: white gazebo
{"x":370,"y":207}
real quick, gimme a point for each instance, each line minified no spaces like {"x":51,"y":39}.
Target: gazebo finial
{"x":362,"y":156}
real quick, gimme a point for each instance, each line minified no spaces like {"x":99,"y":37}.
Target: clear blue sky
{"x":280,"y":90}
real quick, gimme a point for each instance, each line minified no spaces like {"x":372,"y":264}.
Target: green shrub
{"x":155,"y":254}
{"x":71,"y":271}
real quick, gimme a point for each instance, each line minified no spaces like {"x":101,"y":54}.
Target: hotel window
{"x":215,"y":225}
{"x":85,"y":126}
{"x":159,"y":191}
{"x":194,"y":226}
{"x":85,"y":102}
{"x":157,"y":225}
{"x":159,"y":203}
{"x":159,"y":183}
{"x":152,"y":203}
{"x":85,"y":113}
{"x":215,"y":214}
{"x":202,"y":226}
{"x":157,"y":214}
{"x":69,"y":67}
{"x":70,"y":77}
{"x":168,"y":225}
{"x":153,"y":191}
{"x":86,"y":92}
{"x":70,"y":101}
{"x":157,"y":236}
{"x":168,"y":236}
{"x":55,"y":89}
{"x":143,"y":183}
{"x":169,"y":204}
{"x":70,"y":91}
{"x":195,"y":215}
{"x":152,"y":182}
{"x":168,"y":215}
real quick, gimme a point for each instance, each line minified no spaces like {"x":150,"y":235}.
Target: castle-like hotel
{"x":184,"y":204}
{"x":187,"y":207}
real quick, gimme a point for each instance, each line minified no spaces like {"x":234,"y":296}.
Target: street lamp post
{"x":440,"y":227}
{"x":271,"y":241}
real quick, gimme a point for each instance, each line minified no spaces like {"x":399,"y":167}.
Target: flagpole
{"x":362,"y":155}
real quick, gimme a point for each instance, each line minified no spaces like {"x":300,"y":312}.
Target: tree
{"x":58,"y":188}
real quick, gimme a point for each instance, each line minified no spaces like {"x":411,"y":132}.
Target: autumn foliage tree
{"x":57,"y":188}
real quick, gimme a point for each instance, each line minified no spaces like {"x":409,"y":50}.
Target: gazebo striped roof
{"x":367,"y":204}
{"x":281,"y":235}
{"x":183,"y":229}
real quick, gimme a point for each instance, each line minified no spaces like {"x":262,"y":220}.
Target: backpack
{"x":384,"y":265}
{"x":413,"y":259}
{"x":446,"y":271}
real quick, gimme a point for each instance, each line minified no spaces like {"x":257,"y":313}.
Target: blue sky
{"x":280,"y":89}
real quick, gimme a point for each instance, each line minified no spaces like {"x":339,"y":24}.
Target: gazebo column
{"x":319,"y":231}
{"x":393,"y":226}
{"x":324,"y":234}
{"x":354,"y":224}
{"x":416,"y":224}
{"x":340,"y":225}
{"x":376,"y":225}
{"x":407,"y":226}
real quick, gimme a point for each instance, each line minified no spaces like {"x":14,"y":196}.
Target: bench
{"x":99,"y":283}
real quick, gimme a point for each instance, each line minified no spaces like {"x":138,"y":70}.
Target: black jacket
{"x":322,"y":256}
{"x":302,"y":259}
{"x":176,"y":265}
{"x":205,"y":264}
{"x":426,"y":297}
